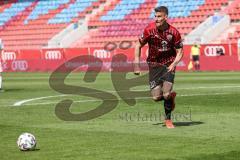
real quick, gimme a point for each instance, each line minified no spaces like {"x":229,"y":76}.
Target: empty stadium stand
{"x":111,"y":26}
{"x":32,"y":23}
{"x":231,"y":34}
{"x":43,"y":7}
{"x":234,"y":12}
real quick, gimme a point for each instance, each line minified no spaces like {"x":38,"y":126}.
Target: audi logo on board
{"x":20,"y":65}
{"x":101,"y":53}
{"x":211,"y":51}
{"x":9,"y":55}
{"x":53,"y":55}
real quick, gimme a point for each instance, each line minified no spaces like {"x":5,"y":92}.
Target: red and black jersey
{"x":162,"y":43}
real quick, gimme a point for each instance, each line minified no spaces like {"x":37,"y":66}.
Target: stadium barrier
{"x":47,"y":60}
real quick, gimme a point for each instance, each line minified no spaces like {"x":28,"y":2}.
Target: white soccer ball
{"x":26,"y":142}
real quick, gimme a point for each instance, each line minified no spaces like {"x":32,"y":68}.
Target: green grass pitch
{"x":207,"y":118}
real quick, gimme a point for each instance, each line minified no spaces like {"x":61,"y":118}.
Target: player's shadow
{"x":13,"y":90}
{"x":179,"y":124}
{"x":34,"y":150}
{"x":191,"y":123}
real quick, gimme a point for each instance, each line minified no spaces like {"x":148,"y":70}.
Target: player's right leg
{"x":155,"y":83}
{"x":157,"y":94}
{"x":169,"y":102}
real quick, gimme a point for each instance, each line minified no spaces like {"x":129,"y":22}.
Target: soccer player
{"x":194,"y":56}
{"x":165,"y":52}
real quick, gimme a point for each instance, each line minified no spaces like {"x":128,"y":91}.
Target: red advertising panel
{"x":16,"y":66}
{"x":128,"y":52}
{"x":36,"y":65}
{"x":9,"y":55}
{"x":50,"y":59}
{"x":74,"y":52}
{"x":53,"y":54}
{"x":234,"y":49}
{"x":30,"y":54}
{"x":213,"y":50}
{"x":104,"y":55}
{"x":219,"y":63}
{"x":210,"y":50}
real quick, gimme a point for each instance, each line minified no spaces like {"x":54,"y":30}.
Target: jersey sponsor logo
{"x":9,"y":56}
{"x":157,"y":36}
{"x":101,"y":53}
{"x":169,"y":37}
{"x":211,"y":51}
{"x":21,"y":65}
{"x":53,"y":55}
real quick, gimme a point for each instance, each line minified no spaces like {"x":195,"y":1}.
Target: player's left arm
{"x":177,"y":60}
{"x":179,"y":49}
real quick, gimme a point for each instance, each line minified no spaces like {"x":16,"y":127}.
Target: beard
{"x":160,"y":23}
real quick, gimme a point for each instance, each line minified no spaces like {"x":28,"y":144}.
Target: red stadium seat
{"x":38,"y":32}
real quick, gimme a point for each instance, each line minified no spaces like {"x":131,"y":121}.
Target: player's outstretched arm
{"x":138,"y":48}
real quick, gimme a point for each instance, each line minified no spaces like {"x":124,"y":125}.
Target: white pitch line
{"x":92,"y":100}
{"x":19,"y":103}
{"x":190,"y":88}
{"x":210,"y":87}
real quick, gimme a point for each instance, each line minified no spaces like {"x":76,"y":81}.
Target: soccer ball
{"x":26,"y":142}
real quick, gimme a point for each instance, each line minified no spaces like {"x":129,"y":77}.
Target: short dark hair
{"x":161,"y":9}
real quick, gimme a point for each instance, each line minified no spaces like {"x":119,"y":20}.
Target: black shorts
{"x":195,"y":58}
{"x":159,"y":74}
